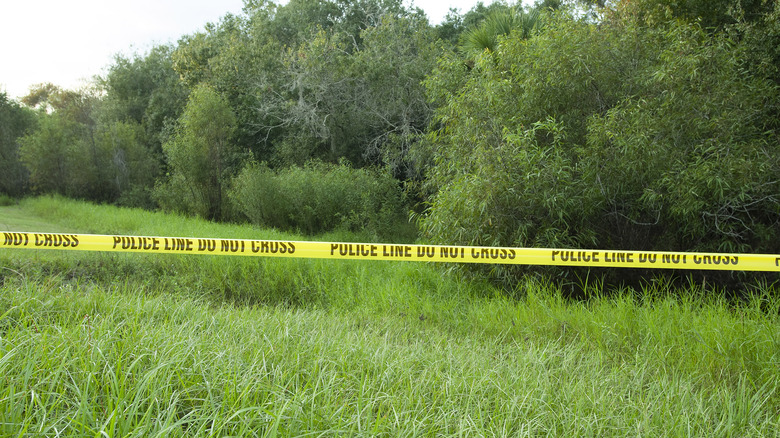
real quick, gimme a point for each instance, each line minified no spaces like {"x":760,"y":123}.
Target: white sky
{"x":67,"y":42}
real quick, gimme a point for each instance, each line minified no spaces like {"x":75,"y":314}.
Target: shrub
{"x":6,"y":200}
{"x":320,"y":197}
{"x":15,"y":121}
{"x":201,"y":156}
{"x":173,"y":194}
{"x":615,"y":136}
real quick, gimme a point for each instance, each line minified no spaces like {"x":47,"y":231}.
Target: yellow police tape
{"x":401,"y":252}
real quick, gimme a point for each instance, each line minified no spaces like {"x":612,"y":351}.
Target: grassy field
{"x":98,"y":344}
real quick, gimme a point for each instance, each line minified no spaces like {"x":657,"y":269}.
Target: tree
{"x":60,"y":154}
{"x":455,"y":24}
{"x":130,"y":167}
{"x":761,"y":42}
{"x":366,"y":105}
{"x":450,"y":28}
{"x":70,"y":132}
{"x":298,"y":20}
{"x":500,"y":24}
{"x":15,"y":121}
{"x":146,"y":90}
{"x":233,"y":56}
{"x":614,"y":135}
{"x":78,"y":151}
{"x":710,"y":14}
{"x":200,"y":155}
{"x":397,"y":55}
{"x":40,"y":95}
{"x":53,"y":156}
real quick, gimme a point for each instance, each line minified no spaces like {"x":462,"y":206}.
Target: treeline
{"x":634,"y":124}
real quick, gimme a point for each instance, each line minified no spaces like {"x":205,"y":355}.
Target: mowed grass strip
{"x":138,"y":345}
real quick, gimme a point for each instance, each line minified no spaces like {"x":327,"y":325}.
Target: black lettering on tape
{"x":648,"y":258}
{"x":452,"y":253}
{"x":209,"y":245}
{"x":575,"y":256}
{"x":230,"y":245}
{"x":390,"y":251}
{"x":396,"y":251}
{"x":16,"y":239}
{"x":426,"y":251}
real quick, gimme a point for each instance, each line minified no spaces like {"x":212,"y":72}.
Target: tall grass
{"x":146,"y":345}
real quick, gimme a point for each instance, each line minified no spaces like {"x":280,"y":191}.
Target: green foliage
{"x":455,"y":23}
{"x":53,"y":156}
{"x":201,"y":156}
{"x":77,"y":152}
{"x":281,"y":70}
{"x":761,"y":41}
{"x":114,"y":344}
{"x":364,"y":103}
{"x":297,"y":20}
{"x":127,"y":166}
{"x":710,"y":14}
{"x":145,"y":90}
{"x":15,"y":121}
{"x":5,"y":201}
{"x":321,"y":197}
{"x":646,"y":124}
{"x":616,"y":136}
{"x":396,"y":56}
{"x":500,"y":24}
{"x":694,"y":158}
{"x":303,"y":80}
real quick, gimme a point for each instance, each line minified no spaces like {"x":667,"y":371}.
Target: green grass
{"x":95,"y":344}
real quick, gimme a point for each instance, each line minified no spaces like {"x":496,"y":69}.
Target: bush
{"x":616,"y":136}
{"x":174,"y":195}
{"x":201,"y":156}
{"x":6,"y":200}
{"x":15,"y":121}
{"x":320,"y":197}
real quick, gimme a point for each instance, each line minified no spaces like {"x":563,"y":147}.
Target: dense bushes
{"x":321,"y":197}
{"x":694,"y":160}
{"x":616,"y":136}
{"x":201,"y":157}
{"x":644,"y":125}
{"x":62,"y":143}
{"x":15,"y":121}
{"x":103,"y":163}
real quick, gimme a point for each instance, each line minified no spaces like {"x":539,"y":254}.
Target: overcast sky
{"x":69,"y":41}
